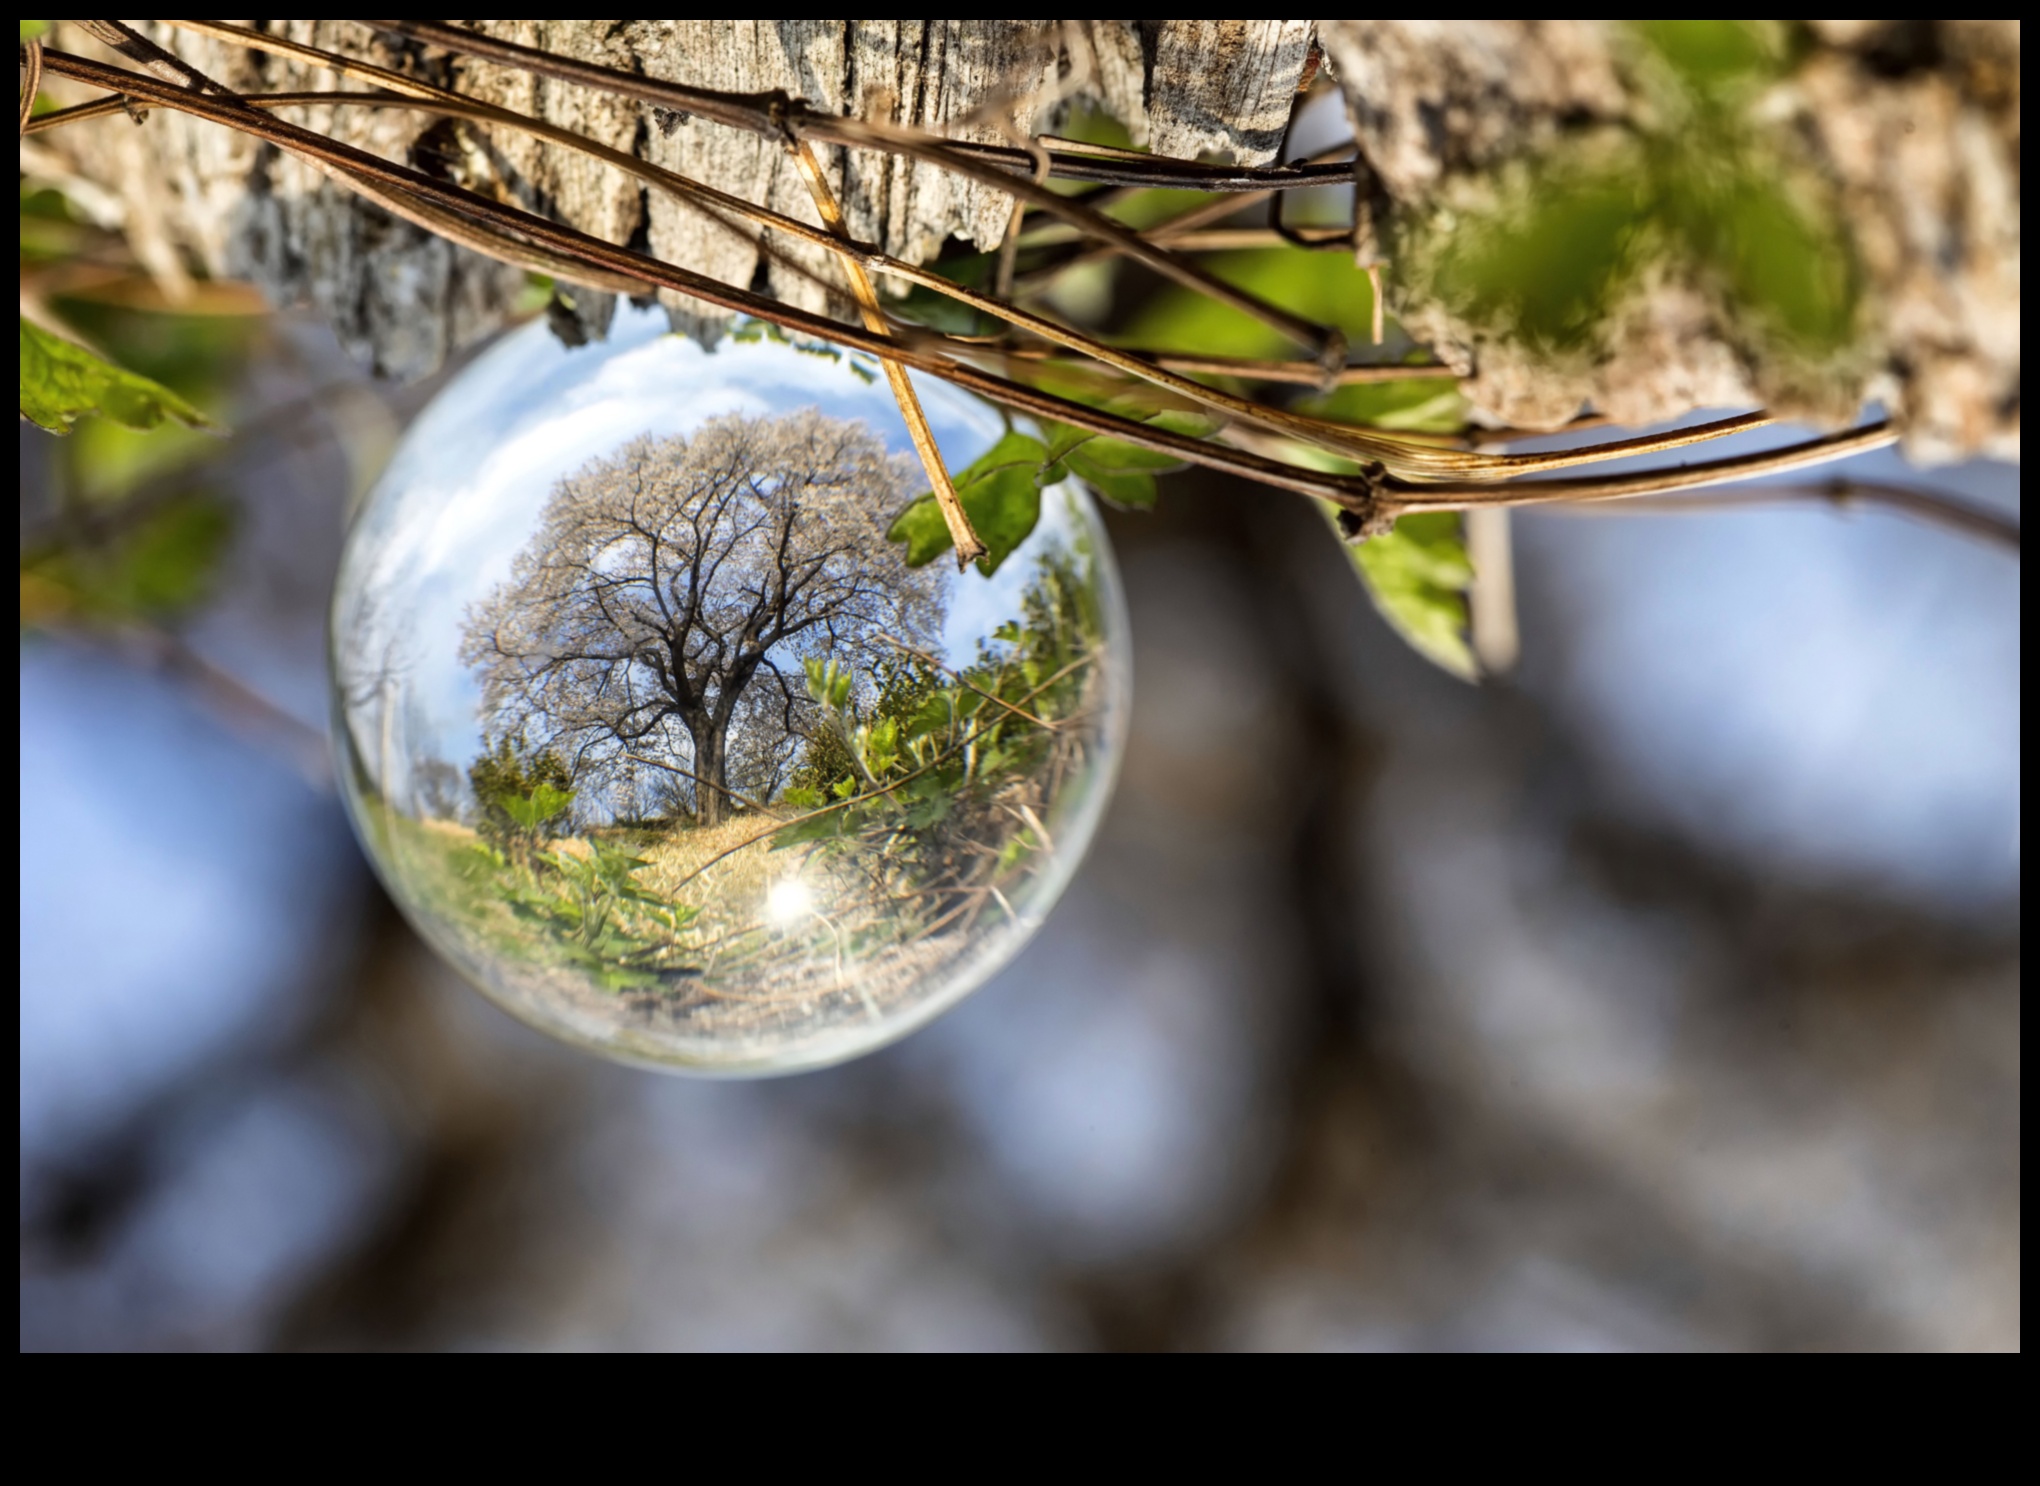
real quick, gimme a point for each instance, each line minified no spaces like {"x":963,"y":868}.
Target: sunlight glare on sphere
{"x":790,"y":901}
{"x":651,"y":729}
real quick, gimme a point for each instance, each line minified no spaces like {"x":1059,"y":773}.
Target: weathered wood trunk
{"x":405,"y":300}
{"x":711,"y":769}
{"x":1910,"y":132}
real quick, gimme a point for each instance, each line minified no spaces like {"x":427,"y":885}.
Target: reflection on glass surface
{"x":649,"y":727}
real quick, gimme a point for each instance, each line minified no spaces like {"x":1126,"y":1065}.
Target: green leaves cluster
{"x":125,"y":527}
{"x":924,"y":765}
{"x":851,"y":745}
{"x":592,"y":911}
{"x":522,"y":795}
{"x":605,"y":919}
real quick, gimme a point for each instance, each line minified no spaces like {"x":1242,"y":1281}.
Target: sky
{"x":466,"y":488}
{"x":1834,"y":692}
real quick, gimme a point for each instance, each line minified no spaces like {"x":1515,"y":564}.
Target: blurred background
{"x":1660,"y":995}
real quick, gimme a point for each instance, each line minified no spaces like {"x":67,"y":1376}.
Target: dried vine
{"x":1385,"y":474}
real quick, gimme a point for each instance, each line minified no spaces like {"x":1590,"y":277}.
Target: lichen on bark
{"x":1901,"y":139}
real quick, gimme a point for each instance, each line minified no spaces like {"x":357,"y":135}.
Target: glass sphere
{"x":650,"y":727}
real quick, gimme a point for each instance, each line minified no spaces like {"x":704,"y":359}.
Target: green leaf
{"x":1121,"y":472}
{"x":1325,"y":287}
{"x":1418,"y":405}
{"x":1417,"y":575}
{"x":937,"y":311}
{"x":829,"y":683}
{"x":1003,"y":508}
{"x":1088,"y":122}
{"x":999,"y":495}
{"x":814,"y":828}
{"x":935,"y":714}
{"x":1105,"y":453}
{"x":30,"y":30}
{"x":1022,"y":842}
{"x":1184,"y":421}
{"x":536,"y":294}
{"x":1155,"y":205}
{"x":1131,"y":489}
{"x":541,"y":805}
{"x":924,"y":531}
{"x":61,"y":381}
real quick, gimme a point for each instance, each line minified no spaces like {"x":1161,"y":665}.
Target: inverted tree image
{"x":661,"y":613}
{"x":738,"y":785}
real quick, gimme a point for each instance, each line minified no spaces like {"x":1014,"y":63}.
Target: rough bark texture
{"x":405,"y":301}
{"x":1912,"y":129}
{"x":1909,"y":131}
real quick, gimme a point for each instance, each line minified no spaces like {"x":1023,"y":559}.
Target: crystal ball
{"x":664,"y":713}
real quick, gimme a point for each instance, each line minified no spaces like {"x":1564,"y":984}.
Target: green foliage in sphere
{"x":829,"y":759}
{"x":522,"y":795}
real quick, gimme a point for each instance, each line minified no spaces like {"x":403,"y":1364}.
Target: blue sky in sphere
{"x":467,"y":485}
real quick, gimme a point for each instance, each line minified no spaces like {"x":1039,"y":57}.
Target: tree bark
{"x":404,"y":300}
{"x":711,"y":770}
{"x":1910,"y":129}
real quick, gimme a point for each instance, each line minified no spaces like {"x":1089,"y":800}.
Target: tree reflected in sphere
{"x":664,"y":714}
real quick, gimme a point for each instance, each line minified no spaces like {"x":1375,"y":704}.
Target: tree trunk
{"x":1904,"y":133}
{"x":1907,"y":131}
{"x":711,"y":771}
{"x":405,"y":300}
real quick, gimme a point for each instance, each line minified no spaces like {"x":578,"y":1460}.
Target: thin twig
{"x":1999,"y":528}
{"x":969,"y":548}
{"x":769,"y":113}
{"x":417,"y":197}
{"x":1418,"y":456}
{"x":230,"y":698}
{"x":31,"y":79}
{"x":1374,"y":496}
{"x":1328,"y":344}
{"x":961,"y":679}
{"x":722,"y":789}
{"x":1250,"y":370}
{"x":1181,"y":230}
{"x":1878,"y":435}
{"x":144,"y":53}
{"x":427,"y":98}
